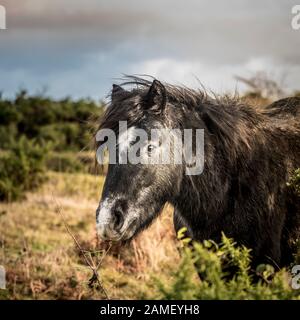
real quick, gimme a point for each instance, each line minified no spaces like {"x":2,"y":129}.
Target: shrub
{"x":72,"y":162}
{"x":53,"y":134}
{"x":294,"y":182}
{"x":65,"y":123}
{"x":22,"y":169}
{"x":8,"y":114}
{"x":8,"y":135}
{"x":211,"y":261}
{"x":65,"y":162}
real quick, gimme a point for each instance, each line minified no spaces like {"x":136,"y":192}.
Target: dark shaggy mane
{"x":180,"y":94}
{"x":175,"y":93}
{"x":222,"y":115}
{"x":187,"y":99}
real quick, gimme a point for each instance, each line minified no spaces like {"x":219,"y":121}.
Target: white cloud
{"x":200,"y":40}
{"x":217,"y":78}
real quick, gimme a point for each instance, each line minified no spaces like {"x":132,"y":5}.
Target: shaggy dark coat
{"x":250,"y":155}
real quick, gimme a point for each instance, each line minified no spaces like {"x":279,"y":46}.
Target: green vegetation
{"x":65,"y":123}
{"x":204,"y":271}
{"x":294,"y":183}
{"x":22,"y":169}
{"x":212,"y":262}
{"x":38,"y":133}
{"x":72,"y":162}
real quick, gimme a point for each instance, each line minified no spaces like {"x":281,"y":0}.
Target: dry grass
{"x":42,"y":261}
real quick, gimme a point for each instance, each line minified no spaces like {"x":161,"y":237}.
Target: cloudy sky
{"x":78,"y":48}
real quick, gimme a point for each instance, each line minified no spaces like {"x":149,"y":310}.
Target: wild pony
{"x":249,"y":156}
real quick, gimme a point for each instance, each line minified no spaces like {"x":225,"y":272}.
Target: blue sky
{"x":78,"y":48}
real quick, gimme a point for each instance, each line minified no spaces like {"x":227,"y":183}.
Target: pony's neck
{"x":229,"y":134}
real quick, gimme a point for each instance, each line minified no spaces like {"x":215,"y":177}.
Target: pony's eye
{"x":150,"y":148}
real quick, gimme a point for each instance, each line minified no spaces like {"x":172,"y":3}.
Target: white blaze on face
{"x":103,"y":216}
{"x":160,"y":146}
{"x":104,"y":225}
{"x":125,"y":139}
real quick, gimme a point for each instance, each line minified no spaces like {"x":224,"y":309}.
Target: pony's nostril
{"x":118,"y":218}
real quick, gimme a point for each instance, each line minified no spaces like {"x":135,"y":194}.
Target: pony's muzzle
{"x":111,"y":220}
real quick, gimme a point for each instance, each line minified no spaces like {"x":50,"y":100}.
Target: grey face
{"x":134,"y":194}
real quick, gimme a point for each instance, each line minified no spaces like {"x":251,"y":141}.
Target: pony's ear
{"x":156,"y":97}
{"x":117,"y":91}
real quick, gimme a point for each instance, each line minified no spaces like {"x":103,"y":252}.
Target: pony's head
{"x":135,"y":191}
